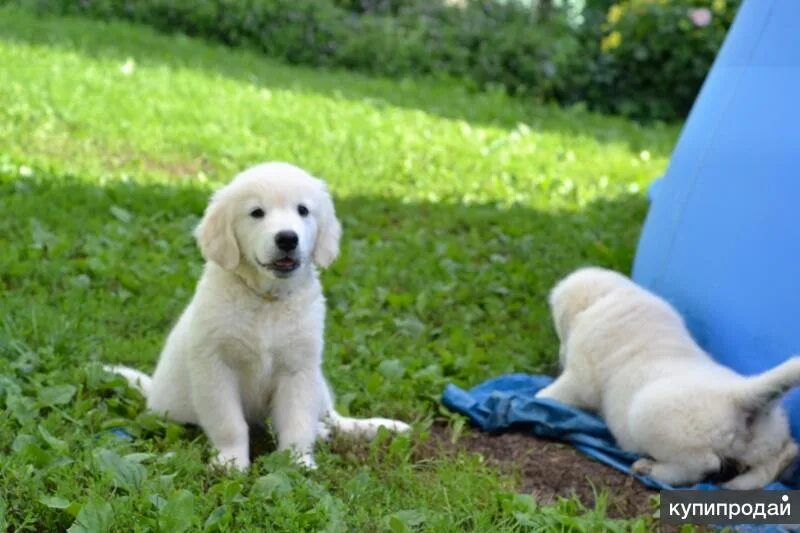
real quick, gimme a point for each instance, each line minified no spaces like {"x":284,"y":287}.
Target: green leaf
{"x":166,"y":482}
{"x":218,"y":517}
{"x":94,"y":517}
{"x":3,"y":521}
{"x":139,"y":457}
{"x":174,"y":432}
{"x":121,"y":214}
{"x":55,"y":443}
{"x":22,"y":407}
{"x":158,"y":501}
{"x":54,"y":502}
{"x":74,"y":508}
{"x":400,"y":300}
{"x":391,"y":369}
{"x":232,"y":490}
{"x":124,"y":472}
{"x":410,"y":518}
{"x":22,"y":440}
{"x":178,"y":514}
{"x":272,"y":485}
{"x":27,"y":448}
{"x":150,"y":421}
{"x":116,"y":422}
{"x":396,"y":525}
{"x":42,"y":236}
{"x":56,"y":395}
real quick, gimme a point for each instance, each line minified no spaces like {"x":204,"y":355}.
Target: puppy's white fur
{"x":249,"y":345}
{"x":627,"y":355}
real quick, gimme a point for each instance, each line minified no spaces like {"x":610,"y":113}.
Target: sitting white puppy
{"x":627,"y":355}
{"x":249,"y":345}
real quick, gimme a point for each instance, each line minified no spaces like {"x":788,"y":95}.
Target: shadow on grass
{"x":448,"y":292}
{"x":423,"y":294}
{"x":121,"y":41}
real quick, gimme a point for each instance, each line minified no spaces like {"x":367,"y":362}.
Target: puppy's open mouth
{"x":282,"y":265}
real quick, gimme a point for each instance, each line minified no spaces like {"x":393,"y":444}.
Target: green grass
{"x":460,"y":212}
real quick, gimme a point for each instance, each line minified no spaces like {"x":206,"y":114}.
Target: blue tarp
{"x":509,"y":403}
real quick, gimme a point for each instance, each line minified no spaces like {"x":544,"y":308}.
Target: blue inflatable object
{"x":722,"y":239}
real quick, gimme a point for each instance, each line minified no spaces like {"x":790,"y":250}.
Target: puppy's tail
{"x":138,"y":380}
{"x":760,"y":391}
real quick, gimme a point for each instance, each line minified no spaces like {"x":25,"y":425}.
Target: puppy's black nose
{"x":286,"y":240}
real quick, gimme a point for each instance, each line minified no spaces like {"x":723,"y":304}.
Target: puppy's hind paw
{"x":370,"y":426}
{"x":366,"y":428}
{"x":324,"y":431}
{"x":397,"y":426}
{"x":643,"y":467}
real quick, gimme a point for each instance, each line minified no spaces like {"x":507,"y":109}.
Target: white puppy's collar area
{"x":268,"y":296}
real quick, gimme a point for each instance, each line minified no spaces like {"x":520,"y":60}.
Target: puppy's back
{"x":605,"y":305}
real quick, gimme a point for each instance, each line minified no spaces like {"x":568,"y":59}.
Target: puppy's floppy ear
{"x":561,"y":310}
{"x":326,"y":248}
{"x":579,"y":291}
{"x":215,"y":235}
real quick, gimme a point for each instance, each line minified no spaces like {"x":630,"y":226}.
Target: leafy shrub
{"x":489,"y":42}
{"x":641,"y":58}
{"x":654,"y":54}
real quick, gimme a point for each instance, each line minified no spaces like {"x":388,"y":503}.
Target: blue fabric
{"x":508,"y":402}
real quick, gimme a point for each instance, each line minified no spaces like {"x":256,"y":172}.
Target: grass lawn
{"x":460,"y":211}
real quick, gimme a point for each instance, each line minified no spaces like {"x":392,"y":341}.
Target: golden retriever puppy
{"x":627,"y":355}
{"x":249,"y":345}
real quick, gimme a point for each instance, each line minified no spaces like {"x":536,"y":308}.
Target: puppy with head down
{"x":627,"y":355}
{"x":249,"y":345}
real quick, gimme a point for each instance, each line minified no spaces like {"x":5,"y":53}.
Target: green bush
{"x":651,"y":56}
{"x":486,"y":41}
{"x":641,"y":58}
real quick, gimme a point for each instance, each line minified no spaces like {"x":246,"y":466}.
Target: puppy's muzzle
{"x":286,"y":263}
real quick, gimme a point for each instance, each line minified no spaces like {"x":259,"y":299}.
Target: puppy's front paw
{"x":306,"y":460}
{"x":643,"y":467}
{"x":231,"y":459}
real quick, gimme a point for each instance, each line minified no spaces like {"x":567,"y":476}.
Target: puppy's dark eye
{"x":303,"y":210}
{"x":257,"y":213}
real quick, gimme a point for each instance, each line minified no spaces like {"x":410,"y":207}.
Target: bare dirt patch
{"x":549,"y":470}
